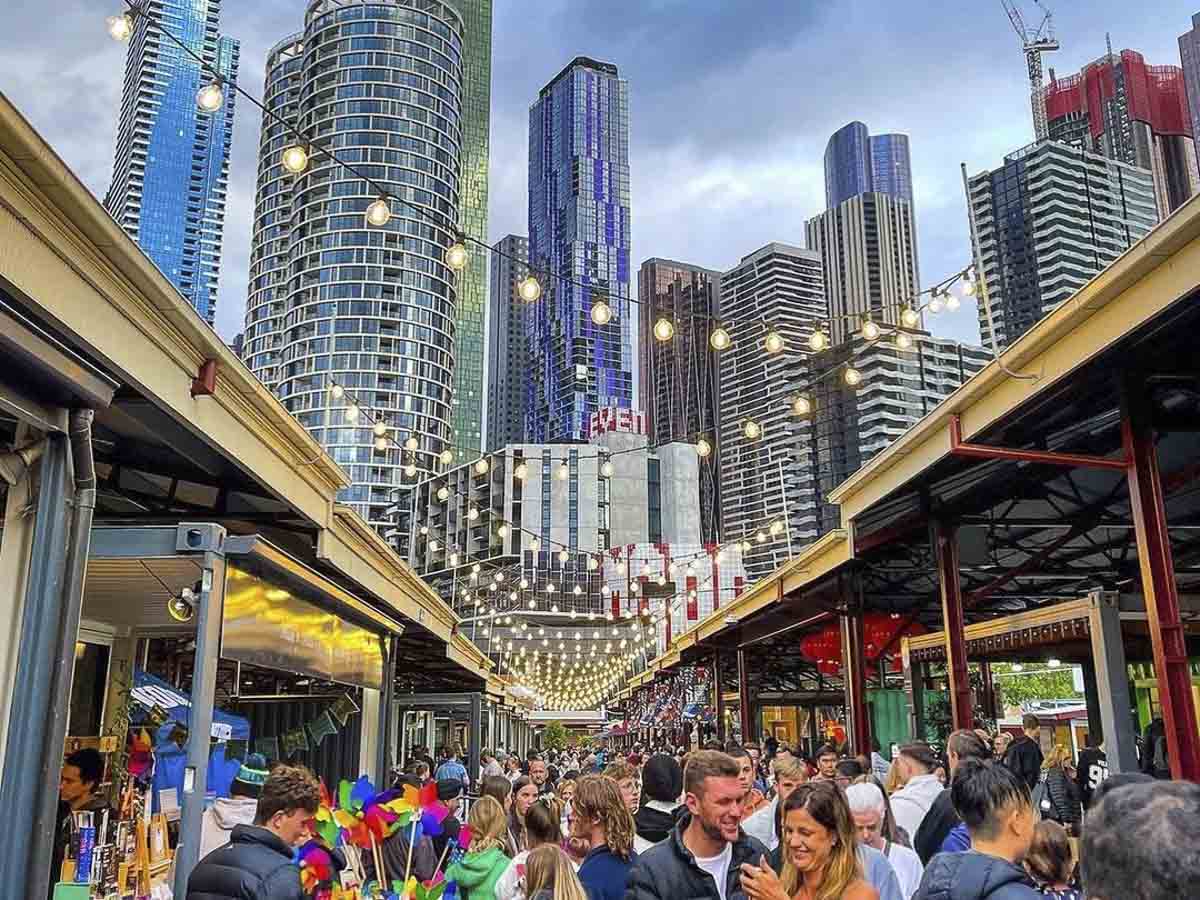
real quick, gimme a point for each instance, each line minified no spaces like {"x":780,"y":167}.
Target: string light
{"x":602,"y":313}
{"x":337,"y":391}
{"x":410,"y":470}
{"x":870,"y":330}
{"x":120,"y":28}
{"x":607,"y":468}
{"x":443,"y":493}
{"x":664,"y":330}
{"x":352,"y":412}
{"x":720,"y":339}
{"x":295,"y":158}
{"x":411,"y":443}
{"x":910,"y":318}
{"x":904,"y":340}
{"x":521,"y":472}
{"x":952,"y":302}
{"x":380,"y":428}
{"x":802,"y":406}
{"x":210,"y":97}
{"x":818,"y":341}
{"x":852,"y":376}
{"x":563,"y":472}
{"x":752,"y":430}
{"x":379,"y":212}
{"x":703,"y":448}
{"x":482,"y":465}
{"x":456,"y":256}
{"x":774,"y":342}
{"x":529,"y":289}
{"x":935,"y":303}
{"x":446,"y":457}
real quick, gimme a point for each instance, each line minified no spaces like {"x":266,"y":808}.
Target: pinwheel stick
{"x":377,"y":854}
{"x":412,"y":839}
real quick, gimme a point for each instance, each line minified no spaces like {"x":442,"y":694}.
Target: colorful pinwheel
{"x":316,"y":870}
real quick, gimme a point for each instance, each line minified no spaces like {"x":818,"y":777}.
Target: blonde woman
{"x":1057,"y":797}
{"x":485,"y":862}
{"x":819,"y":858}
{"x":549,"y":875}
{"x":565,"y":791}
{"x":541,"y":829}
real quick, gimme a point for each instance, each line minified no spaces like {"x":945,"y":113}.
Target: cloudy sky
{"x":732,"y":102}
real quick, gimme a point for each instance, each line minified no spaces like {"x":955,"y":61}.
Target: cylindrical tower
{"x":370,"y":308}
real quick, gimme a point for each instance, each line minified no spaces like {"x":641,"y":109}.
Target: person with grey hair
{"x":867,"y":807}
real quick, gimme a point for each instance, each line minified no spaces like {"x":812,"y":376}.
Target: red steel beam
{"x":744,"y":696}
{"x":1046,"y":457}
{"x":719,"y":703}
{"x":854,"y":682}
{"x":1167,"y":637}
{"x":977,"y":596}
{"x":946,"y":546}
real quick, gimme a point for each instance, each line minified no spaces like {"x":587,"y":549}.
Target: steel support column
{"x":989,"y":691}
{"x":946,"y":547}
{"x":719,"y":704}
{"x":744,"y":716}
{"x":209,"y":613}
{"x":474,"y":733}
{"x":386,"y":696}
{"x":1112,"y":681}
{"x":858,"y":716}
{"x":1167,"y":635}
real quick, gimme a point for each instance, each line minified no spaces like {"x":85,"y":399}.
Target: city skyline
{"x":759,"y":180}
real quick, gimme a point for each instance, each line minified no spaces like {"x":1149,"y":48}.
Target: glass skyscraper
{"x":388,"y":87}
{"x":172,"y":159}
{"x":579,"y":229}
{"x":857,"y":162}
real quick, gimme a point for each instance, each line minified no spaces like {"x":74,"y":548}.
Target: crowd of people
{"x":990,"y":819}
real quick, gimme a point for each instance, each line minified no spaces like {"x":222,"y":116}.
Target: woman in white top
{"x":541,"y":829}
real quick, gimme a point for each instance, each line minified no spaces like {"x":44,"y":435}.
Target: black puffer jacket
{"x":668,"y":871}
{"x":653,"y":825}
{"x":254,"y":865}
{"x":974,"y":876}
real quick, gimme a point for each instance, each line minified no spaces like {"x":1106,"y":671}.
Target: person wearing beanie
{"x":236,"y":809}
{"x":662,"y":783}
{"x":450,"y":793}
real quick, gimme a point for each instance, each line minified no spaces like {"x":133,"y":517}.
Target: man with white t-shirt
{"x":703,"y":855}
{"x":867,"y":806}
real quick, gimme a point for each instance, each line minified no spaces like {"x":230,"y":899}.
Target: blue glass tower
{"x":579,"y":229}
{"x":172,"y":159}
{"x":857,"y":162}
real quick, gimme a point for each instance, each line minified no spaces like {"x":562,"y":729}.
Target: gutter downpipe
{"x":70,"y":609}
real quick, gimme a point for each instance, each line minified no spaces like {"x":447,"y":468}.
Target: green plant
{"x":554,"y":736}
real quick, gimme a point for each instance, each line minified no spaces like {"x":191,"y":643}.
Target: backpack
{"x":1043,"y":801}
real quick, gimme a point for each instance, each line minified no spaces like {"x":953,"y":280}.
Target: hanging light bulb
{"x":802,"y":406}
{"x":472,"y":514}
{"x":969,"y":285}
{"x":564,"y":556}
{"x":601,"y":312}
{"x":337,"y":391}
{"x":456,"y":256}
{"x":502,"y":531}
{"x":381,"y":444}
{"x":607,"y":468}
{"x":523,"y":584}
{"x":529,"y":289}
{"x":446,"y":457}
{"x":410,"y":470}
{"x":776,"y":528}
{"x":352,"y":412}
{"x":443,"y":493}
{"x":720,"y":339}
{"x":703,"y":448}
{"x":746,"y":546}
{"x":852,"y":376}
{"x":521,"y":471}
{"x":434,"y":545}
{"x":592,"y":564}
{"x":577,"y":590}
{"x":752,"y":430}
{"x":120,"y":28}
{"x":379,"y":212}
{"x":870,"y":330}
{"x":935,"y":302}
{"x":910,"y":318}
{"x":535,"y":545}
{"x":904,"y":340}
{"x":295,"y":158}
{"x":210,"y":97}
{"x":563,"y":472}
{"x":664,"y":330}
{"x":952,"y":301}
{"x":761,"y":537}
{"x":482,"y":465}
{"x":380,"y":428}
{"x":818,"y":341}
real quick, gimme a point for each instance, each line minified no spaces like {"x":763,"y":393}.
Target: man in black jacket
{"x":662,"y":782}
{"x":941,"y":818}
{"x":707,"y":847}
{"x":257,"y":864}
{"x":1024,"y":755}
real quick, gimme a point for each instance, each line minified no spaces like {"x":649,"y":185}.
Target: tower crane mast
{"x":1034,"y":42}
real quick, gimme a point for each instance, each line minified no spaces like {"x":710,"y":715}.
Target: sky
{"x":731,"y":104}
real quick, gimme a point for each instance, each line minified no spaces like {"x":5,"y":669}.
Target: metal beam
{"x":858,"y":716}
{"x":1167,"y":636}
{"x":1112,"y":681}
{"x":719,"y":691}
{"x":1044,"y":457}
{"x":744,"y":696}
{"x":946,"y":547}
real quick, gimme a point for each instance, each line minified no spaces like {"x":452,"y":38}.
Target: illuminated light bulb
{"x":870,"y":330}
{"x":472,"y":514}
{"x":524,"y":583}
{"x":577,"y":590}
{"x":664,"y":330}
{"x":295,"y":158}
{"x":424,"y":530}
{"x":818,"y":341}
{"x":454,"y":562}
{"x":601,"y":312}
{"x":379,"y":212}
{"x":773,"y":342}
{"x":935,"y":303}
{"x":605,"y":590}
{"x":746,"y":546}
{"x":1017,"y":667}
{"x":443,"y":493}
{"x":703,"y":448}
{"x":410,"y":470}
{"x":337,"y":392}
{"x":120,"y":28}
{"x":535,"y":545}
{"x":592,"y":564}
{"x":802,"y":406}
{"x":502,"y":531}
{"x":482,"y":465}
{"x":563,"y":472}
{"x":607,"y":469}
{"x":210,"y":97}
{"x":720,"y":339}
{"x":910,"y":318}
{"x":529,"y":289}
{"x":852,"y":376}
{"x":456,"y":256}
{"x":475,"y":569}
{"x":563,"y":556}
{"x":446,"y":457}
{"x":553,"y":607}
{"x":775,"y":528}
{"x":521,"y":472}
{"x":381,"y":444}
{"x":499,"y":576}
{"x":435,"y":546}
{"x":352,"y":412}
{"x":904,"y":341}
{"x":952,"y":302}
{"x":752,"y":430}
{"x":761,"y":537}
{"x":969,"y":286}
{"x":621,"y":568}
{"x":380,"y":428}
{"x":550,"y":588}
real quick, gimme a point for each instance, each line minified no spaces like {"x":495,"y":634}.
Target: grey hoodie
{"x":974,"y":876}
{"x":220,"y":819}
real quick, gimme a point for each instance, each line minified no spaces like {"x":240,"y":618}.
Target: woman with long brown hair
{"x":524,"y":792}
{"x":541,"y":829}
{"x":549,"y":875}
{"x":819,"y":852}
{"x":600,"y":817}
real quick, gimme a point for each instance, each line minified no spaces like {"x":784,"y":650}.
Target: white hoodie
{"x":220,"y":818}
{"x":912,"y":802}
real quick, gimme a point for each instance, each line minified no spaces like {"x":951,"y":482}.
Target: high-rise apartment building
{"x":172,"y":159}
{"x":679,"y":379}
{"x":898,"y":388}
{"x":1123,"y":109}
{"x":508,"y":344}
{"x":868,"y":248}
{"x":857,"y":162}
{"x":579,"y":230}
{"x":1189,"y":56}
{"x":1045,"y":222}
{"x":392,"y":88}
{"x":768,"y":458}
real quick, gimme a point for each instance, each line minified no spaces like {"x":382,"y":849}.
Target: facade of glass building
{"x":1189,"y":56}
{"x":508,"y":344}
{"x":372,"y":309}
{"x":1045,"y":223}
{"x":857,"y":162}
{"x":579,"y":230}
{"x":172,"y":159}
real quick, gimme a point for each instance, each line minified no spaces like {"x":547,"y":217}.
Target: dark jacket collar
{"x":254,"y":834}
{"x":745,"y":848}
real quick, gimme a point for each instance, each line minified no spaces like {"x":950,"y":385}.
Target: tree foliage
{"x":1017,"y":688}
{"x":554,"y":735}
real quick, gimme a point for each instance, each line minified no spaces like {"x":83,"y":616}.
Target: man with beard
{"x":703,"y":855}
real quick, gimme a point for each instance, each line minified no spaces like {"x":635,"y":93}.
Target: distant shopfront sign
{"x":612,"y":419}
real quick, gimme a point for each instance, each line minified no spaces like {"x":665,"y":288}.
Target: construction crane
{"x":1034,"y":42}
